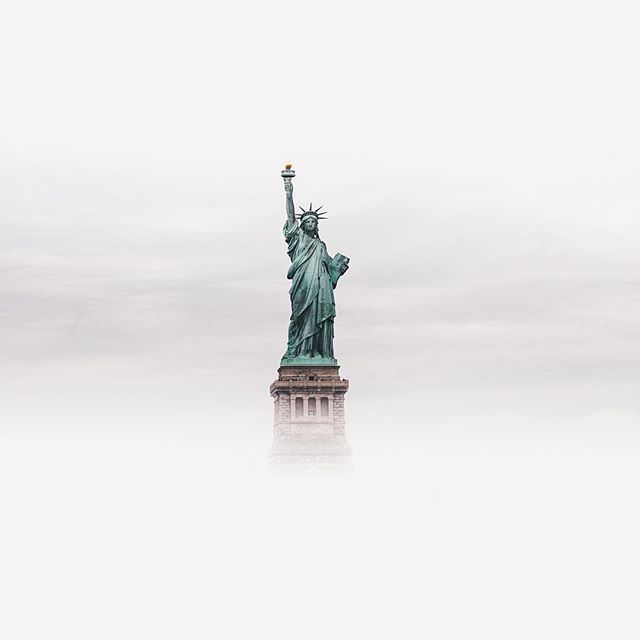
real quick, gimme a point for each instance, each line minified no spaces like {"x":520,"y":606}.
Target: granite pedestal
{"x":309,"y":421}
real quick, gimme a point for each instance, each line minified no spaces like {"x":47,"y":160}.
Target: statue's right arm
{"x":291,"y":216}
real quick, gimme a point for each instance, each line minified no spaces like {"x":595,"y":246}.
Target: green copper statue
{"x":315,"y":275}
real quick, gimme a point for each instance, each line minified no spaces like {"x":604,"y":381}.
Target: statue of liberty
{"x":314,"y":276}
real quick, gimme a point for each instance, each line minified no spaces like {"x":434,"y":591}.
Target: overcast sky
{"x":479,"y":164}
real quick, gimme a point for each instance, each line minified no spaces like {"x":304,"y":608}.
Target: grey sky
{"x":478,"y":164}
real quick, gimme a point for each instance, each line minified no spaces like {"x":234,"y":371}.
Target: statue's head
{"x":309,"y":219}
{"x":310,"y":224}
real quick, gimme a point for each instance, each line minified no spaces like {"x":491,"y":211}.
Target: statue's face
{"x":310,"y":224}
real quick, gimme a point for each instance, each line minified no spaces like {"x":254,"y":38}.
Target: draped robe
{"x":312,"y":303}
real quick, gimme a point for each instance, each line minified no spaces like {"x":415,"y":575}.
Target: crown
{"x":310,"y":212}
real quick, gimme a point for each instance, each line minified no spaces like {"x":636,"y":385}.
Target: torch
{"x":288,"y":174}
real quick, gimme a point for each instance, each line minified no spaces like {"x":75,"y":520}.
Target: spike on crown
{"x":310,"y":212}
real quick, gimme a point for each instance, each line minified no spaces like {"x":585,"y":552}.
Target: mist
{"x":479,"y":167}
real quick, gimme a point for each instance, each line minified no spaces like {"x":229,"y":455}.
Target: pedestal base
{"x":309,"y":422}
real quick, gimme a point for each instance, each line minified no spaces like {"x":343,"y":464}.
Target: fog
{"x":167,"y":534}
{"x":479,"y":167}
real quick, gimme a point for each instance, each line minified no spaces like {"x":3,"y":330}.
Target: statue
{"x":315,"y":275}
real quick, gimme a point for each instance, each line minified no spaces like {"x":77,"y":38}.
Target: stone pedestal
{"x":309,"y":423}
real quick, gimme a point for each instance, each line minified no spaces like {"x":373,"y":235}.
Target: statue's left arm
{"x":338,"y":266}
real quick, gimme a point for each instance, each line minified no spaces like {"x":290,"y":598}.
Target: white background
{"x":479,"y":163}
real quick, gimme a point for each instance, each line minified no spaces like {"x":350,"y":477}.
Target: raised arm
{"x":288,"y":189}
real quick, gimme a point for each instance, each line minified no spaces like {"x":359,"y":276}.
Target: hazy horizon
{"x":479,"y":166}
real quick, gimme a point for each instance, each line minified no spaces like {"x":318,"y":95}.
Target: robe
{"x":312,"y":303}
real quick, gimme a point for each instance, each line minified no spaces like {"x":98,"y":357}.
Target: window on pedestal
{"x":312,"y":407}
{"x":324,"y":407}
{"x":299,"y":408}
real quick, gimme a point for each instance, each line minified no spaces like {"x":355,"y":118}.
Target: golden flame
{"x":288,"y":166}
